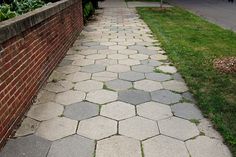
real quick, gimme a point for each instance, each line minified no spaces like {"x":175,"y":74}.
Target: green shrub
{"x":88,"y":10}
{"x":6,"y":13}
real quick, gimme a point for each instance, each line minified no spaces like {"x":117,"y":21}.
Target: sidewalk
{"x":115,"y":94}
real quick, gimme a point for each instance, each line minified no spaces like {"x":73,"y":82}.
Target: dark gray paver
{"x":131,"y":76}
{"x":158,"y":76}
{"x":165,"y":96}
{"x":93,"y":68}
{"x":29,"y":146}
{"x":187,"y":111}
{"x":142,"y":68}
{"x":82,"y":110}
{"x":118,"y":85}
{"x":134,"y":97}
{"x":72,"y":146}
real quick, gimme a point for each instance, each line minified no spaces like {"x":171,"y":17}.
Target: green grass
{"x":192,"y":44}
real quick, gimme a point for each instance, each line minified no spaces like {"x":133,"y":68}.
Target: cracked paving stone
{"x":165,"y":97}
{"x":118,"y":85}
{"x":70,"y":97}
{"x":131,"y":76}
{"x":93,"y":68}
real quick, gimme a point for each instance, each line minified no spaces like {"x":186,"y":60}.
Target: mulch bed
{"x":225,"y":65}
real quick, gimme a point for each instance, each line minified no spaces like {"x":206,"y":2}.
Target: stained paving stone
{"x":128,"y":52}
{"x":147,"y":85}
{"x":57,"y":128}
{"x":153,"y":63}
{"x":117,"y":56}
{"x":165,"y":96}
{"x":72,"y":146}
{"x":44,"y":96}
{"x":83,"y":62}
{"x":142,"y":68}
{"x":88,"y":85}
{"x":101,"y":96}
{"x":204,"y":146}
{"x":131,"y":76}
{"x":74,"y":57}
{"x":129,"y":62}
{"x":104,"y":76}
{"x":45,"y":111}
{"x":139,"y":56}
{"x":134,"y":97}
{"x":93,"y":68}
{"x":118,"y":146}
{"x":60,"y":86}
{"x":96,"y":56}
{"x":167,"y":69}
{"x":175,"y":86}
{"x":56,"y":76}
{"x":97,"y":128}
{"x":138,"y":128}
{"x":118,"y":85}
{"x":29,"y":146}
{"x":78,"y":76}
{"x":165,"y":147}
{"x":28,"y":126}
{"x":159,"y":57}
{"x":154,"y":111}
{"x":81,"y":110}
{"x":70,"y":97}
{"x":106,"y":62}
{"x":158,"y":76}
{"x":118,"y":68}
{"x":178,"y":128}
{"x":118,"y":110}
{"x":187,"y":111}
{"x":68,"y":69}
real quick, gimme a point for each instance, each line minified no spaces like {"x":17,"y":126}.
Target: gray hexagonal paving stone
{"x":56,"y":76}
{"x":78,"y":76}
{"x":27,"y":127}
{"x":57,"y":128}
{"x":165,"y":96}
{"x":44,"y":96}
{"x":154,"y":110}
{"x":72,"y":146}
{"x":147,"y":85}
{"x":104,"y":76}
{"x":60,"y":86}
{"x":178,"y":128}
{"x":118,"y":85}
{"x":178,"y":77}
{"x":45,"y":111}
{"x":97,"y":128}
{"x":151,"y":62}
{"x":82,"y":110}
{"x":134,"y":97}
{"x":74,"y":57}
{"x":106,"y":62}
{"x":118,"y":110}
{"x":92,"y":43}
{"x":129,"y":62}
{"x":176,"y":86}
{"x":96,"y":56}
{"x":187,"y":111}
{"x":70,"y":97}
{"x":189,"y":96}
{"x":83,"y":62}
{"x":98,"y":47}
{"x":68,"y":69}
{"x":164,"y":146}
{"x":138,"y":128}
{"x":102,"y":96}
{"x":65,"y":62}
{"x":118,"y":146}
{"x":204,"y":146}
{"x":118,"y":68}
{"x":131,"y":76}
{"x":167,"y":69}
{"x":88,"y":85}
{"x":29,"y":146}
{"x":117,"y":56}
{"x":93,"y":68}
{"x":158,"y":76}
{"x":142,"y":68}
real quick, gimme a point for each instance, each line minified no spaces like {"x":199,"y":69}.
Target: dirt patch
{"x":225,"y":65}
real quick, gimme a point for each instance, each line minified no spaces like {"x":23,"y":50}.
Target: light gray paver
{"x":28,"y":126}
{"x":153,"y":63}
{"x":117,"y":56}
{"x":78,"y":76}
{"x":157,"y":76}
{"x":102,"y":96}
{"x":167,"y":69}
{"x":56,"y":76}
{"x":104,"y":76}
{"x":93,"y":68}
{"x":142,"y":68}
{"x":118,"y":68}
{"x":72,"y":146}
{"x":118,"y":85}
{"x":68,"y":69}
{"x":129,"y":62}
{"x":44,"y":96}
{"x":60,"y":86}
{"x":70,"y":97}
{"x":165,"y":96}
{"x":88,"y":85}
{"x":147,"y":85}
{"x":131,"y":76}
{"x":83,"y":62}
{"x":175,"y":86}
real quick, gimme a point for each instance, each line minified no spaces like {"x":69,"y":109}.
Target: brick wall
{"x":30,"y":47}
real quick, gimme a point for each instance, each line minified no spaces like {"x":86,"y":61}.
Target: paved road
{"x":217,"y":11}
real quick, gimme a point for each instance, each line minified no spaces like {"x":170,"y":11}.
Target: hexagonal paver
{"x":97,"y":128}
{"x":82,"y":110}
{"x":204,"y":146}
{"x":102,"y":96}
{"x":83,"y":62}
{"x":151,"y":62}
{"x":78,"y":76}
{"x":44,"y":96}
{"x":107,"y":52}
{"x":74,"y":57}
{"x":88,"y":85}
{"x":96,"y":56}
{"x":165,"y":96}
{"x":104,"y":76}
{"x":65,"y":62}
{"x":108,"y":43}
{"x":131,"y":76}
{"x":147,"y":85}
{"x":60,"y":86}
{"x":118,"y":110}
{"x":68,"y":69}
{"x":72,"y":146}
{"x":87,"y":51}
{"x":56,"y":76}
{"x":93,"y":68}
{"x":29,"y":146}
{"x":138,"y":128}
{"x":167,"y":69}
{"x":118,"y":146}
{"x":27,"y":127}
{"x":164,"y":147}
{"x":118,"y":85}
{"x":117,"y":47}
{"x":57,"y":128}
{"x":139,"y":56}
{"x":90,"y":43}
{"x":178,"y":128}
{"x":118,"y":68}
{"x":142,"y":68}
{"x":70,"y":97}
{"x":106,"y":62}
{"x":187,"y":111}
{"x":45,"y":111}
{"x":117,"y":56}
{"x":128,"y":52}
{"x":159,"y":57}
{"x":158,"y":77}
{"x":129,"y":62}
{"x":134,"y":97}
{"x":154,"y":110}
{"x":175,"y":86}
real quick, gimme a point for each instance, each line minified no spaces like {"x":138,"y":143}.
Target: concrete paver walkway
{"x":105,"y":100}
